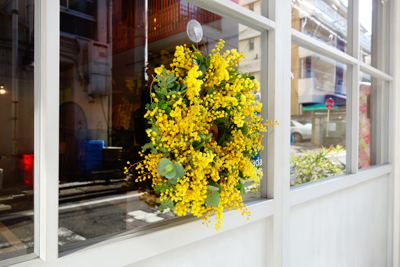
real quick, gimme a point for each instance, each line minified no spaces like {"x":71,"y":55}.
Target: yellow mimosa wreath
{"x":205,"y":129}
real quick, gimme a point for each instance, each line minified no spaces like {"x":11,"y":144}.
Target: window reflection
{"x":318,"y":116}
{"x":324,"y":20}
{"x":16,"y":124}
{"x":106,"y":69}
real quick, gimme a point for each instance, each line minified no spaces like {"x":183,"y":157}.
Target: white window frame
{"x":278,"y":198}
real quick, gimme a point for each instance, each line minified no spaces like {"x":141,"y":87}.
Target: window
{"x":103,"y":92}
{"x":99,"y":64}
{"x":251,"y":44}
{"x":374,"y":28}
{"x":318,"y":113}
{"x":372,"y":107}
{"x":17,"y":130}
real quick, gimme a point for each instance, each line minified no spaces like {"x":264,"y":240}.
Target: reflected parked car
{"x":300,"y":129}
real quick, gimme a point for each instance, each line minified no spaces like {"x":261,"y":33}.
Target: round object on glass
{"x":194,"y":31}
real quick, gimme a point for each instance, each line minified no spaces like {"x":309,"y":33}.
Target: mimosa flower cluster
{"x":205,"y":128}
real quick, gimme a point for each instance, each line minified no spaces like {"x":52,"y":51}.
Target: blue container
{"x":90,"y":155}
{"x":91,"y":145}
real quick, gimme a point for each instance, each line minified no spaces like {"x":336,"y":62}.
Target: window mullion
{"x":353,"y":71}
{"x":278,"y":164}
{"x":47,"y":43}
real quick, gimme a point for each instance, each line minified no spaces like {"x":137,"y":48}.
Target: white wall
{"x":243,"y":246}
{"x":345,"y":228}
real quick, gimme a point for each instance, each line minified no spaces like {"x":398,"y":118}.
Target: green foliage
{"x":197,"y":145}
{"x":315,"y":165}
{"x":166,"y":203}
{"x":213,"y":195}
{"x":170,"y":170}
{"x":212,"y":198}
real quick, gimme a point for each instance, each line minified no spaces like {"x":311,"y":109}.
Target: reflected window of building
{"x":251,"y":44}
{"x":323,"y":20}
{"x":318,"y":116}
{"x":251,"y":6}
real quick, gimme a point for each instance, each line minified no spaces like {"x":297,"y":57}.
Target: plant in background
{"x":205,"y":129}
{"x":315,"y":165}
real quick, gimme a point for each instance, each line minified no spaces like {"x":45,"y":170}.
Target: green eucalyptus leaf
{"x":164,"y":106}
{"x":169,"y":167}
{"x":171,"y":174}
{"x":213,"y":199}
{"x":179,"y":170}
{"x":162,"y":165}
{"x":220,"y":187}
{"x":212,"y":188}
{"x":173,"y":181}
{"x":195,"y":62}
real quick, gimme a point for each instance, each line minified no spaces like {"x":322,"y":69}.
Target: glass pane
{"x":373,"y":95}
{"x":374,"y":33}
{"x":104,"y":89}
{"x":318,"y":116}
{"x":324,"y":20}
{"x":17,"y":126}
{"x":253,"y":5}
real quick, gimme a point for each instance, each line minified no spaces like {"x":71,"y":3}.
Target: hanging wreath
{"x":205,"y":129}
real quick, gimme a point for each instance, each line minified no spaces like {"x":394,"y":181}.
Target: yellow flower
{"x":220,"y":93}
